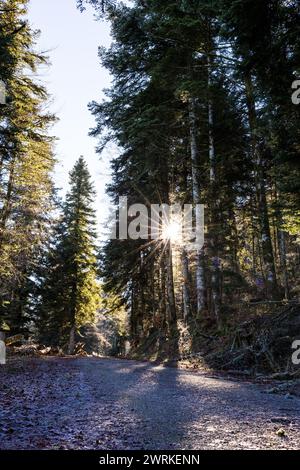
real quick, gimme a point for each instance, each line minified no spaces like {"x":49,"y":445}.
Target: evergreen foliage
{"x":70,"y":292}
{"x":201,"y":107}
{"x":26,"y":164}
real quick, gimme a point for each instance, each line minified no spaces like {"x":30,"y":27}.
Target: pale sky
{"x":74,"y":78}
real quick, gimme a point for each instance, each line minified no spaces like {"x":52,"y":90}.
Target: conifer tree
{"x":199,"y":118}
{"x":26,"y":162}
{"x":70,"y":291}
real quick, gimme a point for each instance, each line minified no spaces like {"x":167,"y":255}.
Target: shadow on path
{"x":91,"y":403}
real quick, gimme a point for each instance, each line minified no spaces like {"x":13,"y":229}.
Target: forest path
{"x":91,"y":403}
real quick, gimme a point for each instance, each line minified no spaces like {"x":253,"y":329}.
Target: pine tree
{"x":71,"y":291}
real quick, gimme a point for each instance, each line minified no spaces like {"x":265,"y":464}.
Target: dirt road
{"x":112,"y":404}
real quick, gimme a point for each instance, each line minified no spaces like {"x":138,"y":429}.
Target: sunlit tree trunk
{"x":163,"y":303}
{"x":186,"y":285}
{"x":170,"y":285}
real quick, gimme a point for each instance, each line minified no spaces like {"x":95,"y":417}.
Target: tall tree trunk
{"x":214,"y":206}
{"x":186,"y":286}
{"x":282,"y":239}
{"x":262,"y":205}
{"x":170,"y":285}
{"x":235,"y":265}
{"x":73,"y":305}
{"x":195,"y":157}
{"x":71,"y":348}
{"x":186,"y":275}
{"x":163,"y":303}
{"x":283,"y":263}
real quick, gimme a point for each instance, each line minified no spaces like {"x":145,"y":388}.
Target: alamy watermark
{"x":181,"y":224}
{"x":3,"y":93}
{"x":296,"y":354}
{"x":2,"y":352}
{"x":296,"y":93}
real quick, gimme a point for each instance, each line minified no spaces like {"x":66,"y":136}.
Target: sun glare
{"x":173,"y":232}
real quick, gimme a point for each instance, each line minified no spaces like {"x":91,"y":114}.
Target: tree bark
{"x":186,"y":286}
{"x":262,"y":206}
{"x":283,"y":263}
{"x":214,"y":206}
{"x":170,"y":285}
{"x":163,"y":298}
{"x":71,"y":348}
{"x":195,"y":158}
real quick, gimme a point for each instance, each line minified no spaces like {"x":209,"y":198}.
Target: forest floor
{"x":106,"y":404}
{"x":256,"y":341}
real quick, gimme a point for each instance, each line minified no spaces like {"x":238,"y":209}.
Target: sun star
{"x":172,"y":232}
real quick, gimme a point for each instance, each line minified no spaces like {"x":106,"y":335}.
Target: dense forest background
{"x":201,"y":109}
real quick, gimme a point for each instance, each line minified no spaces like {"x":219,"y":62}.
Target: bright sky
{"x":74,"y":78}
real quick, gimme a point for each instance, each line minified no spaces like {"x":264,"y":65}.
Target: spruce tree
{"x":26,"y":163}
{"x":71,"y":291}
